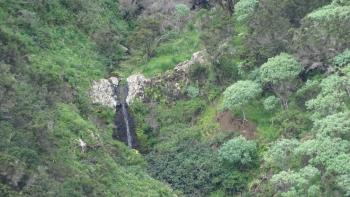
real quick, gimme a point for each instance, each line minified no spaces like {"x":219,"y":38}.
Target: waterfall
{"x":123,"y":120}
{"x":128,"y":134}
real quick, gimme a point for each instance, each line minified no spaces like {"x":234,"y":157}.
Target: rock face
{"x":197,"y":58}
{"x":103,"y":92}
{"x":136,"y":87}
{"x":172,"y":82}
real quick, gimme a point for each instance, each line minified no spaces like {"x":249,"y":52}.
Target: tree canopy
{"x":281,"y":72}
{"x":240,"y":94}
{"x":239,"y":151}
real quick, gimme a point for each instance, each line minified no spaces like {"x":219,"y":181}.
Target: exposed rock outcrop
{"x":197,"y":58}
{"x":172,"y":82}
{"x":136,"y":87}
{"x":103,"y":92}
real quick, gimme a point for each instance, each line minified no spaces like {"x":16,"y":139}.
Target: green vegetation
{"x":281,"y":73}
{"x":239,"y":94}
{"x":175,"y":49}
{"x":50,"y":53}
{"x":284,"y":64}
{"x":238,"y":151}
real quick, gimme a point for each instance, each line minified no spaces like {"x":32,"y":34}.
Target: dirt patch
{"x":229,"y":123}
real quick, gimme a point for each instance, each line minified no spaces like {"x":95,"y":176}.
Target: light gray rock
{"x":103,"y":92}
{"x":136,"y":87}
{"x":172,"y":82}
{"x":114,"y":81}
{"x":197,"y":58}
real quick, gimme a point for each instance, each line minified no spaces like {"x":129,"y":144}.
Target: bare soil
{"x":229,"y":123}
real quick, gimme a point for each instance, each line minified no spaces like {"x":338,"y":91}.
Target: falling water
{"x":128,"y":134}
{"x":123,"y":120}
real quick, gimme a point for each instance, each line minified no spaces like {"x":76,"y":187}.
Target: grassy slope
{"x":64,"y":52}
{"x":169,"y":53}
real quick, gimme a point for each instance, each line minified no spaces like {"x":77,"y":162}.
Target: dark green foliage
{"x":190,"y":167}
{"x":234,"y":181}
{"x":292,"y":123}
{"x":216,"y":31}
{"x":181,"y":112}
{"x":320,"y":34}
{"x":199,"y":72}
{"x":195,"y":169}
{"x":239,"y":152}
{"x":146,"y":36}
{"x":50,"y":51}
{"x":270,"y":26}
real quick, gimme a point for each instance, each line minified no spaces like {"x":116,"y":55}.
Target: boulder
{"x":197,"y":58}
{"x":103,"y":92}
{"x":172,"y":82}
{"x":136,"y":87}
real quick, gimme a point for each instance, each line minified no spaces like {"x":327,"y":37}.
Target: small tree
{"x":181,"y":15}
{"x":321,"y":150}
{"x":325,"y":21}
{"x":342,"y":59}
{"x":281,"y":74}
{"x":238,"y":151}
{"x":331,"y":99}
{"x":146,"y":36}
{"x":239,"y":94}
{"x":245,"y":9}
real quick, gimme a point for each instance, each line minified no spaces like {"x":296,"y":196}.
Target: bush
{"x":192,"y":91}
{"x":244,"y":9}
{"x":281,"y":154}
{"x":189,"y":166}
{"x":181,"y":112}
{"x":239,"y":151}
{"x":342,"y":59}
{"x":238,"y":95}
{"x":234,"y":181}
{"x":292,"y":123}
{"x":270,"y":103}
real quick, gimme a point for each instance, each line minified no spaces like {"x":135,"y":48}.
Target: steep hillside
{"x":50,"y":52}
{"x":226,"y":98}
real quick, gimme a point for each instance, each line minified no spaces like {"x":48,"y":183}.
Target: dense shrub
{"x":281,"y":73}
{"x":271,"y":103}
{"x":270,"y":26}
{"x":238,"y":95}
{"x":192,"y":91}
{"x":239,"y":151}
{"x":319,"y":38}
{"x":292,"y":123}
{"x":190,"y":167}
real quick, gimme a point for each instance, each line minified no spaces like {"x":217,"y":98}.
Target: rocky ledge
{"x":103,"y":91}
